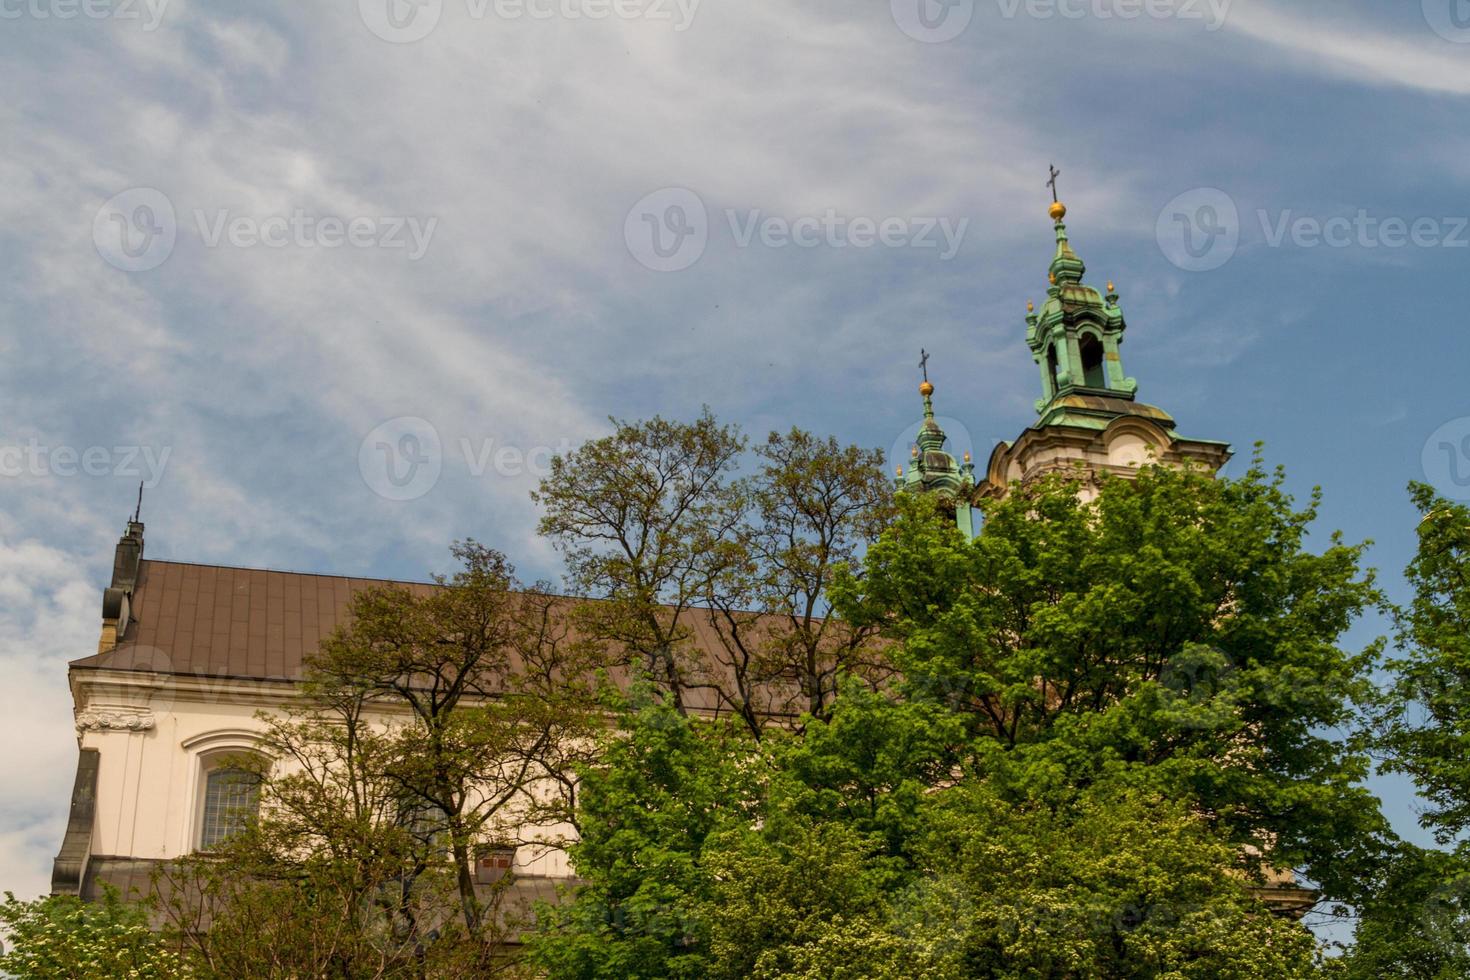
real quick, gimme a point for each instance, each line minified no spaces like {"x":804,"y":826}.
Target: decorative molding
{"x":69,"y":870}
{"x":242,"y":739}
{"x":99,"y":719}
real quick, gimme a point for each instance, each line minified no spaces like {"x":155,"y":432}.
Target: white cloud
{"x":260,"y":370}
{"x":1420,"y":60}
{"x":527,"y":321}
{"x":49,"y":613}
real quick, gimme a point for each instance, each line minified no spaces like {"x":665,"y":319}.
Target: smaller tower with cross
{"x":932,"y":469}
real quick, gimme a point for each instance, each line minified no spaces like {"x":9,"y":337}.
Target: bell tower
{"x":932,"y":469}
{"x":1076,"y":337}
{"x":1089,"y":418}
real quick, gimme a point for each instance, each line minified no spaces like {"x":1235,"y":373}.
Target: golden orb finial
{"x":967,"y":455}
{"x":926,"y":389}
{"x":1111,"y":287}
{"x":1058,"y":211}
{"x":1051,"y":277}
{"x":899,"y":471}
{"x":1030,"y":307}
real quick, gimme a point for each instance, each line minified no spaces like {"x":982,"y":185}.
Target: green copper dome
{"x":1075,"y":339}
{"x":930,"y":466}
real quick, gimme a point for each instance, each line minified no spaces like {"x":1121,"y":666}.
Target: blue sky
{"x":177,"y":300}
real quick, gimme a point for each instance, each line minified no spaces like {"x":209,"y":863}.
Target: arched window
{"x":1092,"y":361}
{"x":1053,"y":367}
{"x":427,"y":824}
{"x":231,"y":801}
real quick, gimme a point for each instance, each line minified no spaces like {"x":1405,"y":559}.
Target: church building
{"x":188,"y":654}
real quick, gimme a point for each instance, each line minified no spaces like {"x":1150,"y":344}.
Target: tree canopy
{"x":790,"y":725}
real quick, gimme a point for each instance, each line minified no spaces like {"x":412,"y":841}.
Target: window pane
{"x":231,"y":798}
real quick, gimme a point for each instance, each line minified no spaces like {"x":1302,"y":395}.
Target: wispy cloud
{"x":1415,"y":58}
{"x":263,"y":370}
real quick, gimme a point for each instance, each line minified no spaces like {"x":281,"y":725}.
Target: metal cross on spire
{"x":1052,"y":183}
{"x":924,"y":362}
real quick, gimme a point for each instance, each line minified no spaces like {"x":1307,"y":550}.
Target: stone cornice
{"x":114,"y":719}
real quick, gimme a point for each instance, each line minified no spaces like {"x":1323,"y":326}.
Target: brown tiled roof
{"x":218,"y":621}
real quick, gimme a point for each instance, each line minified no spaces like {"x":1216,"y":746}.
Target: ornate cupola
{"x":1089,"y":415}
{"x":1075,"y":339}
{"x":932,"y":469}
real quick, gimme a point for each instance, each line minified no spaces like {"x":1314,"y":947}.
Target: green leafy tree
{"x":438,"y":721}
{"x":1175,"y":623}
{"x":632,"y":513}
{"x":1426,"y":727}
{"x":1416,"y":921}
{"x":858,"y":848}
{"x":498,"y":700}
{"x":63,"y":938}
{"x":661,"y":786}
{"x":807,"y":510}
{"x":712,"y":582}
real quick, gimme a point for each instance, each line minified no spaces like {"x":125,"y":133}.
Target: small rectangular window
{"x":231,"y":800}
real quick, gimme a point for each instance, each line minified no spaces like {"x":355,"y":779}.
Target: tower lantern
{"x":1088,"y":413}
{"x":934,"y":470}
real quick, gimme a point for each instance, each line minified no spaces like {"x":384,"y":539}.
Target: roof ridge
{"x":289,"y":571}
